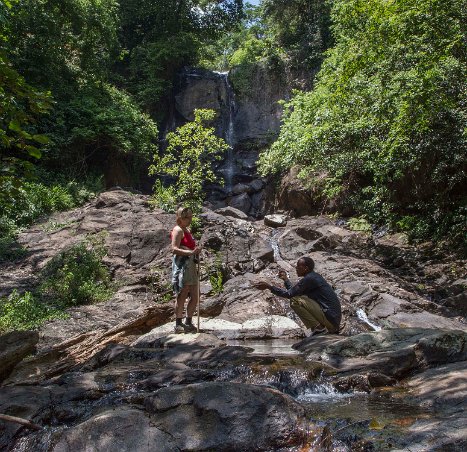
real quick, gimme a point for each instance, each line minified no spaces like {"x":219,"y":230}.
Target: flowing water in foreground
{"x":338,"y":421}
{"x":349,"y":421}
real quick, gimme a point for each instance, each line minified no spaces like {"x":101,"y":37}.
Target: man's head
{"x":304,"y":266}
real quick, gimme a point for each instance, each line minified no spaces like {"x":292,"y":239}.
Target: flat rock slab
{"x":444,"y":389}
{"x":396,"y":352}
{"x":267,"y":327}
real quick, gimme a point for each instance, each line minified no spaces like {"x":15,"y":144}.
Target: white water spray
{"x":361,"y":314}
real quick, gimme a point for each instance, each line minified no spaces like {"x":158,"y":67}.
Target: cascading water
{"x":361,"y":314}
{"x":229,"y":132}
{"x":275,"y":245}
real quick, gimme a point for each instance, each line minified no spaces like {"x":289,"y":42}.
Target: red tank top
{"x":187,"y":240}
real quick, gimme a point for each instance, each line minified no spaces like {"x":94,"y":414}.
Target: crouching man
{"x":312,"y":298}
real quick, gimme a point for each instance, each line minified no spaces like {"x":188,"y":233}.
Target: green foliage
{"x":35,"y":198}
{"x":77,"y":276}
{"x":164,"y":197}
{"x":74,"y":277}
{"x":59,"y":43}
{"x":216,"y":274}
{"x":20,"y":107}
{"x":159,"y":37}
{"x":217,"y":282}
{"x":100,"y":120}
{"x":301,"y":28}
{"x":218,"y":54}
{"x":359,"y":224}
{"x":10,"y":249}
{"x":196,"y":226}
{"x":70,"y":47}
{"x":188,"y":159}
{"x":24,"y":312}
{"x":153,"y":66}
{"x":386,"y":120}
{"x":251,"y":51}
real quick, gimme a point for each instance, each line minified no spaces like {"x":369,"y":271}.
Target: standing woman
{"x":185,"y":278}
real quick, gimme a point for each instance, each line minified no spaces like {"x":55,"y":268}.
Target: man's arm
{"x":300,"y":288}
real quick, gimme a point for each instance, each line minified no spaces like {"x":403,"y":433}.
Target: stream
{"x":356,"y":420}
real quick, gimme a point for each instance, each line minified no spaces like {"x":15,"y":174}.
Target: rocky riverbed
{"x":112,"y":376}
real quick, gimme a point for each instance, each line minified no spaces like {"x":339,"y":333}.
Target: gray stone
{"x":123,"y":429}
{"x":14,"y":346}
{"x":275,"y":221}
{"x":228,"y":416}
{"x":241,"y":202}
{"x":232,"y":211}
{"x":395,"y":352}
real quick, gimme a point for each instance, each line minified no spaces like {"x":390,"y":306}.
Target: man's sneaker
{"x":317,"y":331}
{"x":190,"y":328}
{"x":179,"y":329}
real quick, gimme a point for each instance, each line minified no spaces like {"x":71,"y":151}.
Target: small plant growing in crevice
{"x":216,"y":274}
{"x":160,"y":284}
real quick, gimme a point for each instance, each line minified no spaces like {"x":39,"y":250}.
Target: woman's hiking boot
{"x":179,"y":329}
{"x":190,"y":328}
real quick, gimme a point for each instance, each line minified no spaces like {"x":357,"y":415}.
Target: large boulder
{"x":14,"y":346}
{"x":395,"y":352}
{"x":228,"y":416}
{"x":124,"y":429}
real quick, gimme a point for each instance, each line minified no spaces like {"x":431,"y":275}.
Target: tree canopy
{"x":384,"y":126}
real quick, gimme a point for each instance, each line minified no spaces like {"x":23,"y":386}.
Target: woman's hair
{"x":183,"y":212}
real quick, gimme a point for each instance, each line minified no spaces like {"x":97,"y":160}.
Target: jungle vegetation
{"x":381,"y":129}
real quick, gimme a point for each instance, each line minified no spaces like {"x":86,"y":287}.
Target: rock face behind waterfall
{"x":113,"y":377}
{"x":257,"y":113}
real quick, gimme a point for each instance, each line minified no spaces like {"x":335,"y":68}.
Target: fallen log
{"x":20,"y":420}
{"x":72,"y":353}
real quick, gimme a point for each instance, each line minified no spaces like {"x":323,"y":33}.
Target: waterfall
{"x":229,"y":132}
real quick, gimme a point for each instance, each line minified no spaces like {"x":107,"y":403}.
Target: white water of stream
{"x":361,"y":314}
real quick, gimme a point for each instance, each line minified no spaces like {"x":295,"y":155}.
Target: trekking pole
{"x":199,"y":290}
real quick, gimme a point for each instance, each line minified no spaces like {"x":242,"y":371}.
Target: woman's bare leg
{"x":180,"y":301}
{"x":191,"y":308}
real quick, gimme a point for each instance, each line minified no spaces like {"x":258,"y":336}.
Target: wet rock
{"x":14,"y":346}
{"x":443,"y":389}
{"x":363,"y":382}
{"x":257,"y":184}
{"x":228,"y":416}
{"x":21,"y":401}
{"x":241,"y":202}
{"x":241,"y":188}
